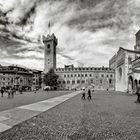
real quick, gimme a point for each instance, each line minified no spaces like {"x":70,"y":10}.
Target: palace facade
{"x":99,"y":78}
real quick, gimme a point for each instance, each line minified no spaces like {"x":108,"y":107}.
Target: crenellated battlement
{"x":86,"y":69}
{"x":50,"y":38}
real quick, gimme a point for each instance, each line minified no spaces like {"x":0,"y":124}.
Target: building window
{"x":71,"y":75}
{"x":106,"y":75}
{"x":68,"y":82}
{"x":129,"y":60}
{"x":78,"y":81}
{"x":101,"y":81}
{"x":112,"y":75}
{"x":64,"y":75}
{"x":85,"y":75}
{"x":90,"y":75}
{"x":91,"y":80}
{"x":68,"y":75}
{"x":48,"y":46}
{"x":83,"y":81}
{"x":75,"y":75}
{"x":102,"y":75}
{"x":73,"y":82}
{"x":110,"y":81}
{"x":78,"y":75}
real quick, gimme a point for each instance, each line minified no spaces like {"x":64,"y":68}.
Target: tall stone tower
{"x":137,"y":46}
{"x":50,"y":43}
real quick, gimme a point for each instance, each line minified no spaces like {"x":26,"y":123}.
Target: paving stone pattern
{"x":106,"y":117}
{"x":28,"y":98}
{"x":10,"y":118}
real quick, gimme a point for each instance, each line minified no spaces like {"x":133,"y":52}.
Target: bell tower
{"x":50,"y":43}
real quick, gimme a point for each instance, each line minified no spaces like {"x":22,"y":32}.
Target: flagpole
{"x":49,"y":26}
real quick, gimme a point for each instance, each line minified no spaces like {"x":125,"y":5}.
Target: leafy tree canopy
{"x":51,"y":79}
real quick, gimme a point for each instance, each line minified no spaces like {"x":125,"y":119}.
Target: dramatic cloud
{"x":89,"y":32}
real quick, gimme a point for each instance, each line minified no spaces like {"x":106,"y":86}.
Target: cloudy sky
{"x":89,"y":32}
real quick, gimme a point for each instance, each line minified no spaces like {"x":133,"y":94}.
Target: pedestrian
{"x":2,"y":91}
{"x":20,"y":90}
{"x":12,"y":92}
{"x":138,"y":94}
{"x":89,"y":94}
{"x":9,"y":92}
{"x":83,"y":94}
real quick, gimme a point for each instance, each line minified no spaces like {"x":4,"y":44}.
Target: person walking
{"x":9,"y":93}
{"x":138,"y":94}
{"x":2,"y":91}
{"x":89,"y":94}
{"x":13,"y":92}
{"x":83,"y":94}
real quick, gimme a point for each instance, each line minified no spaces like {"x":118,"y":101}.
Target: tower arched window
{"x":48,"y":46}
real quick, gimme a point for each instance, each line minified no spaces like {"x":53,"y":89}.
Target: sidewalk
{"x":14,"y":116}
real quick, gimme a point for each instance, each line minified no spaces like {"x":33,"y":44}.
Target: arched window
{"x":48,"y":46}
{"x":120,"y":72}
{"x":110,"y":81}
{"x":129,"y":60}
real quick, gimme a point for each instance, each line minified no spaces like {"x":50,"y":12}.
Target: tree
{"x":51,"y":79}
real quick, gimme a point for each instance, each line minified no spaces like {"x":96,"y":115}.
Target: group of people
{"x":88,"y":92}
{"x":84,"y":92}
{"x":11,"y":91}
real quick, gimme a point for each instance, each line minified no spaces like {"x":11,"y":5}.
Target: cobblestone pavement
{"x":106,"y":117}
{"x":27,"y":98}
